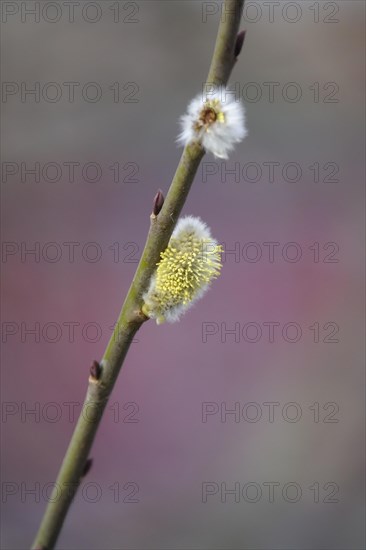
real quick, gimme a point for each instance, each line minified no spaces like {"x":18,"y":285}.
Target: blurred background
{"x":241,"y":427}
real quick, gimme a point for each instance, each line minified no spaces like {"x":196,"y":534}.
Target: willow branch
{"x":103,"y":376}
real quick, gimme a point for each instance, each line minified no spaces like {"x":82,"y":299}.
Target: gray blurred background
{"x":110,"y":81}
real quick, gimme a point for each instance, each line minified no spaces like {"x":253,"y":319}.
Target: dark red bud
{"x":95,"y":370}
{"x":239,"y":43}
{"x":158,"y":202}
{"x":87,"y":466}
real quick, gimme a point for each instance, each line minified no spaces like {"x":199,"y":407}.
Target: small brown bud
{"x":95,"y":370}
{"x":158,"y":202}
{"x":87,"y":466}
{"x":239,"y":43}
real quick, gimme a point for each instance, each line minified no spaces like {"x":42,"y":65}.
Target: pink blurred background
{"x":157,"y":444}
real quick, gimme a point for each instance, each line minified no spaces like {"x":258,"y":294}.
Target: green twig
{"x":102,"y":380}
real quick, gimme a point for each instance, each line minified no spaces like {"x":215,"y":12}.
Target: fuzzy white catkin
{"x":216,"y":119}
{"x":187,"y":266}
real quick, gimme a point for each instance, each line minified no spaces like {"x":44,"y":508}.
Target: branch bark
{"x":131,"y":318}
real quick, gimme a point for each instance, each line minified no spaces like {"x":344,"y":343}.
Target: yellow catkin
{"x":186,"y":268}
